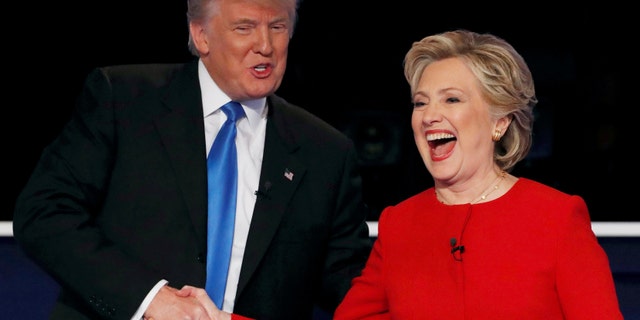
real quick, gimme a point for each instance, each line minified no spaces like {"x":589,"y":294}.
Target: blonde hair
{"x":505,"y":81}
{"x":201,"y":10}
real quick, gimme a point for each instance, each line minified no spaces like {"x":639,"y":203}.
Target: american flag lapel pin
{"x":288,"y":174}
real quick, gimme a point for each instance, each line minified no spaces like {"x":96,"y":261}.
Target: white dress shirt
{"x":250,"y":145}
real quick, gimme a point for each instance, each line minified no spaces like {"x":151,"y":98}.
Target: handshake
{"x":187,"y":303}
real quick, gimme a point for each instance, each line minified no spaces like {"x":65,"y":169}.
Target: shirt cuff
{"x":147,"y":300}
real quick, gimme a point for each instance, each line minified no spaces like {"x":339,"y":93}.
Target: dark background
{"x":345,"y":65}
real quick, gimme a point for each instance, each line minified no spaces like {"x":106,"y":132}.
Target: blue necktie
{"x":222,"y":171}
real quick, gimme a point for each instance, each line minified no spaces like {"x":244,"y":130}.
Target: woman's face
{"x":451,"y":122}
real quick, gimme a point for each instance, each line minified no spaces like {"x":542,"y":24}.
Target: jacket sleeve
{"x":366,"y":299}
{"x":349,"y":243}
{"x":585,"y":283}
{"x":57,"y":213}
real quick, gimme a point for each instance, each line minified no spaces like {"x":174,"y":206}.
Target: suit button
{"x":200,"y":258}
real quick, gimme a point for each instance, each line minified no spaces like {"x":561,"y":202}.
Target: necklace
{"x":483,"y":196}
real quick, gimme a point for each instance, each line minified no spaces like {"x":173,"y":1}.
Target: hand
{"x":169,"y":305}
{"x":202,"y":296}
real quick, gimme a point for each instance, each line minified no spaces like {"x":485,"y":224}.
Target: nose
{"x":263,"y":42}
{"x":429,"y":114}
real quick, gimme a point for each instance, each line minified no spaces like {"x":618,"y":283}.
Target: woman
{"x":481,"y":243}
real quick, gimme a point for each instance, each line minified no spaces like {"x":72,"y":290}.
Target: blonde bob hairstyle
{"x":504,"y":77}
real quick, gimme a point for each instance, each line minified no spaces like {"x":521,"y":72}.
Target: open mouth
{"x":441,"y":144}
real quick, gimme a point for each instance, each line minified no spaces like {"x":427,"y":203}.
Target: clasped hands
{"x":188,"y":303}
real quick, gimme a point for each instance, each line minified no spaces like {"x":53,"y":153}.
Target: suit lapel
{"x":280,"y":175}
{"x":181,"y":130}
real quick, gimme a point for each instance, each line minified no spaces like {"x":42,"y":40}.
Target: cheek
{"x":281,"y":64}
{"x":416,"y":120}
{"x":416,"y":127}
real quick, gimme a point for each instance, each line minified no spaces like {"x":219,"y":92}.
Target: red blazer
{"x":531,"y":254}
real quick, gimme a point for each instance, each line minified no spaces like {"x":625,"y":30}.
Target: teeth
{"x":438,"y":136}
{"x":261,"y":68}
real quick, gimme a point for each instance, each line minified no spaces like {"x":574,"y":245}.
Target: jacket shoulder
{"x":156,"y":74}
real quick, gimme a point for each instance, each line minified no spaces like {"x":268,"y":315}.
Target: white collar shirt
{"x":250,"y":147}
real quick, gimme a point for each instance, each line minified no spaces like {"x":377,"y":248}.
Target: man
{"x":116,"y":209}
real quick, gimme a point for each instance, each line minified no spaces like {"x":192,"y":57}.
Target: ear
{"x":502,"y":124}
{"x":199,"y":37}
{"x":500,"y":128}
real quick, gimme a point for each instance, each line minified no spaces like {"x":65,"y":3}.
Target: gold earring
{"x":497,"y":134}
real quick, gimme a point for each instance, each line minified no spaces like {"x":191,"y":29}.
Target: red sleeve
{"x":585,"y":292}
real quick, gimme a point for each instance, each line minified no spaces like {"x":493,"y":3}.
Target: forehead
{"x":288,"y":5}
{"x":447,"y":72}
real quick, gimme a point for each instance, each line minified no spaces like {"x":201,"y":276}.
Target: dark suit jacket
{"x":118,"y":201}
